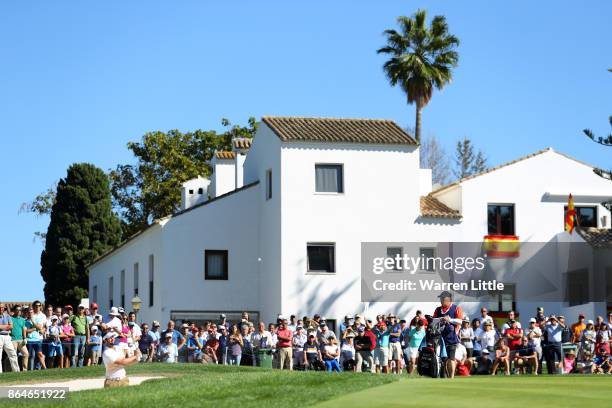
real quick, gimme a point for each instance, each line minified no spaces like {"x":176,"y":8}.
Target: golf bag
{"x":429,"y":362}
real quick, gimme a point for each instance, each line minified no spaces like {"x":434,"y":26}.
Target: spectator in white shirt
{"x":168,"y":352}
{"x":484,"y":317}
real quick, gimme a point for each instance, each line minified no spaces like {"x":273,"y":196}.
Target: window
{"x":110,"y":292}
{"x":136,"y":268}
{"x":200,"y":191}
{"x":151,"y":277}
{"x":191,"y":191}
{"x":428,"y":256}
{"x":122,"y":288}
{"x":585,"y":216}
{"x":577,"y":287}
{"x":392,"y":252}
{"x":268,"y":184}
{"x":329,"y":178}
{"x":95,"y":294}
{"x":321,"y":257}
{"x":215,"y":264}
{"x":505,"y":300}
{"x":501,"y":219}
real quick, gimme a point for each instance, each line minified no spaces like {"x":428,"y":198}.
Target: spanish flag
{"x":570,"y":215}
{"x":502,"y":246}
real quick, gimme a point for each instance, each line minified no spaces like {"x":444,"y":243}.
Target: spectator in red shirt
{"x":513,"y":335}
{"x":284,"y":336}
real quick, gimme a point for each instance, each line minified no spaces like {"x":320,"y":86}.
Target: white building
{"x":279,"y":227}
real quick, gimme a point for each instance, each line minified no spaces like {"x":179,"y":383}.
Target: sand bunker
{"x":85,"y":383}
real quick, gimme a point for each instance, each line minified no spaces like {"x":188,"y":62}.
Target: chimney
{"x":240,"y":147}
{"x":224,"y":173}
{"x":193,"y":192}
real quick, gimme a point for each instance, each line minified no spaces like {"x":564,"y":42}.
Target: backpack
{"x":566,"y":335}
{"x":428,"y":362}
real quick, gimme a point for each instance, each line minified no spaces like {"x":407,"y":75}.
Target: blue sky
{"x":78,"y":81}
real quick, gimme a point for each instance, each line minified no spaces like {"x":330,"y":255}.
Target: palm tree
{"x":421,"y":58}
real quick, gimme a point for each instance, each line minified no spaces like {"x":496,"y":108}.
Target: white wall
{"x":124,"y":258}
{"x":190,"y":192}
{"x":223,"y":177}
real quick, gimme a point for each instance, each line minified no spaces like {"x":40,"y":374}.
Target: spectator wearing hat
{"x":312,"y":358}
{"x":68,"y":310}
{"x":94,"y":346}
{"x":466,"y":335}
{"x":587,"y":339}
{"x":381,"y":352}
{"x":554,"y":353}
{"x":365,"y":343}
{"x":347,"y":352}
{"x":297,"y":343}
{"x":18,"y":336}
{"x":155,"y":338}
{"x":534,"y":337}
{"x":55,"y":349}
{"x":66,"y":335}
{"x":93,"y":311}
{"x":168,"y":351}
{"x":345,"y":325}
{"x":577,"y":329}
{"x":569,"y":362}
{"x":112,"y":322}
{"x":324,"y":335}
{"x":81,"y":336}
{"x":488,"y":338}
{"x":115,"y":362}
{"x":453,"y":316}
{"x":222,"y":351}
{"x":284,"y":336}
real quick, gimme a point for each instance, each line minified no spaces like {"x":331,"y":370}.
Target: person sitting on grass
{"x":526,"y":357}
{"x":115,"y":362}
{"x":601,"y":362}
{"x":312,"y":354}
{"x":569,"y":362}
{"x":330,"y":356}
{"x":502,"y":357}
{"x":464,"y":362}
{"x":586,"y":366}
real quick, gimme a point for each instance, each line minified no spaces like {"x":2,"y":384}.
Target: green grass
{"x":188,"y":385}
{"x":485,"y":391}
{"x":197,"y":385}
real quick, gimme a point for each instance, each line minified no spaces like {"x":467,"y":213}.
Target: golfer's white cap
{"x":110,"y":335}
{"x":114,"y":311}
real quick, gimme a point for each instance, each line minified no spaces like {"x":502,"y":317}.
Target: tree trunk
{"x":417,"y":127}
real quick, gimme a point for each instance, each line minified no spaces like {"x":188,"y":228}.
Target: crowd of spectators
{"x":40,"y":337}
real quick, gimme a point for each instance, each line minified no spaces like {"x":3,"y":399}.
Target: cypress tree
{"x":82,"y":227}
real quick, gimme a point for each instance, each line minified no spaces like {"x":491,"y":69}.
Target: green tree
{"x":467,"y":161}
{"x":422,"y":58}
{"x":82,"y":227}
{"x":150,"y":188}
{"x":605,"y":141}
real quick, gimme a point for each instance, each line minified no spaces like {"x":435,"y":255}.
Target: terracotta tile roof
{"x":241,"y":143}
{"x":492,"y":169}
{"x":432,"y":207}
{"x":371,"y":131}
{"x":596,"y":237}
{"x":225,"y":155}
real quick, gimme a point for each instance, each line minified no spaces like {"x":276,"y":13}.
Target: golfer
{"x":115,"y":362}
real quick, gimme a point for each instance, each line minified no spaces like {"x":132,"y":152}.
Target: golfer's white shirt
{"x":113,"y":371}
